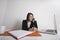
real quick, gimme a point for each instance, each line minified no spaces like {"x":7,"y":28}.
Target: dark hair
{"x":29,"y":15}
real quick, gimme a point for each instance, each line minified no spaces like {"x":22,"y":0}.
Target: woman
{"x":30,"y":23}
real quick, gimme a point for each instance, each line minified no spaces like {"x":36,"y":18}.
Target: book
{"x":18,"y":34}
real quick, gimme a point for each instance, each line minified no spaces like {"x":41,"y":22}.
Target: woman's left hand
{"x":35,"y":29}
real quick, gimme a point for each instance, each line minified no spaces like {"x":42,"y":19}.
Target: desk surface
{"x":43,"y":37}
{"x":5,"y":34}
{"x":33,"y":34}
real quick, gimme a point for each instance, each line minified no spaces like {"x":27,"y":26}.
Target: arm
{"x":24,"y":26}
{"x":34,"y":26}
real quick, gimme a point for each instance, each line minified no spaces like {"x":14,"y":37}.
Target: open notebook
{"x":18,"y":34}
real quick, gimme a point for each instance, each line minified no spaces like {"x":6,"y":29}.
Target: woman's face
{"x":30,"y":17}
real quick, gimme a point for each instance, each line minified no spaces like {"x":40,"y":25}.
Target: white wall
{"x":43,"y":11}
{"x":3,"y":5}
{"x":18,"y":9}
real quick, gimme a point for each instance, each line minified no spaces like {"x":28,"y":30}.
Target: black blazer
{"x":25,"y":25}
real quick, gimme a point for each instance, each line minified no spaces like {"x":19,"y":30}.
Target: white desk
{"x":43,"y":37}
{"x":6,"y":38}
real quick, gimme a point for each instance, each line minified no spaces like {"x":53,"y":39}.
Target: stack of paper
{"x":18,"y":34}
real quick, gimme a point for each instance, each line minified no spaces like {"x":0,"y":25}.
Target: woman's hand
{"x":33,"y":29}
{"x":30,"y":29}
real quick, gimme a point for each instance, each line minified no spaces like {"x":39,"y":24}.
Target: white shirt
{"x":29,"y":23}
